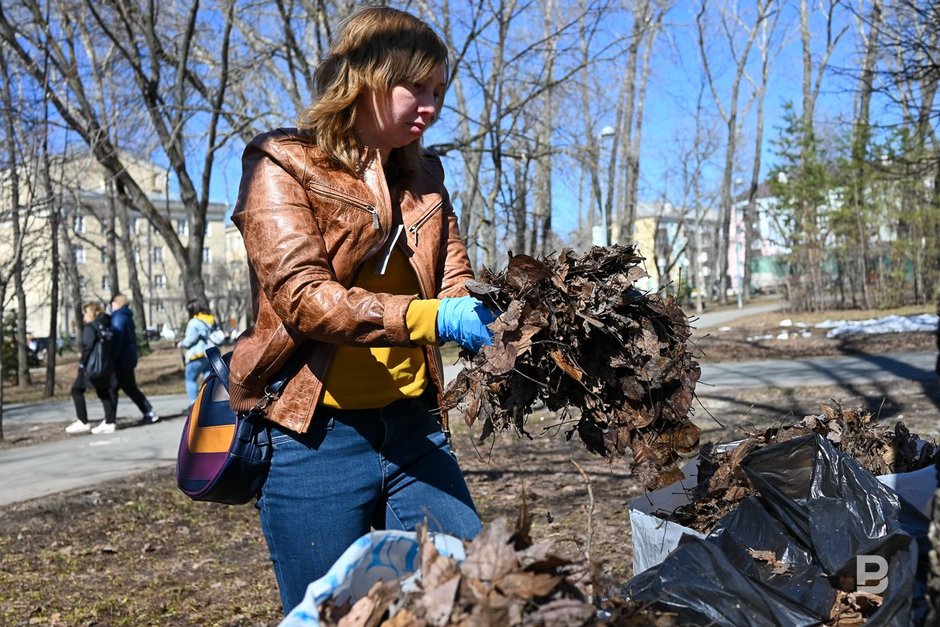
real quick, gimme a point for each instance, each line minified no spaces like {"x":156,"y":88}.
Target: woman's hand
{"x":463,"y":320}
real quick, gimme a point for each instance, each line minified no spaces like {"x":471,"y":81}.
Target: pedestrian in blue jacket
{"x":124,"y":347}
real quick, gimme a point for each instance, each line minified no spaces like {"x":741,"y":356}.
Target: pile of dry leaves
{"x":504,"y":580}
{"x":575,"y":333}
{"x":880,"y":450}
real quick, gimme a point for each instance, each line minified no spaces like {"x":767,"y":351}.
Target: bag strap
{"x":219,"y":365}
{"x":272,"y":391}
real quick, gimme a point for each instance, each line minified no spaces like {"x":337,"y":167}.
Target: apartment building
{"x":86,"y":208}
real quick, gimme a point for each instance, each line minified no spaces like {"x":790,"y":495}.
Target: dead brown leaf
{"x":575,"y":333}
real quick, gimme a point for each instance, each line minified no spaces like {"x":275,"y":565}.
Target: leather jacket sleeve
{"x":291,"y":261}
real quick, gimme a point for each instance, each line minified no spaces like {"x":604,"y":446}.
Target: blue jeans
{"x":356,"y":470}
{"x":193,"y":369}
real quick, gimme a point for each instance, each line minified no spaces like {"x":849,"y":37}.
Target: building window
{"x":78,"y":222}
{"x":136,"y":255}
{"x":105,"y":283}
{"x":82,"y":283}
{"x":206,"y":255}
{"x":135,"y":225}
{"x":160,"y":305}
{"x":104,"y":256}
{"x":208,"y":231}
{"x":159,"y":281}
{"x":182,"y":227}
{"x":158,"y":254}
{"x":79,"y":254}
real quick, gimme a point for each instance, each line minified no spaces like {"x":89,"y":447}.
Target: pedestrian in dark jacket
{"x":124,"y":349}
{"x":95,"y":321}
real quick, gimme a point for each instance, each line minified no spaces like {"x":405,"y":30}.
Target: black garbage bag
{"x":780,"y":559}
{"x":715,"y":581}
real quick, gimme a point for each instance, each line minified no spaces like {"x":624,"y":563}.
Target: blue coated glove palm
{"x":463,"y":320}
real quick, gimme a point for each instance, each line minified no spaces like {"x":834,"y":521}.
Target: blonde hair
{"x":376,"y":48}
{"x":92,"y":309}
{"x":119,"y":301}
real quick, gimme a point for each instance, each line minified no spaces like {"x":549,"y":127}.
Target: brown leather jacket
{"x":308,"y":229}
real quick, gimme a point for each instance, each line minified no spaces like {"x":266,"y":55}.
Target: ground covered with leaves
{"x":137,"y":552}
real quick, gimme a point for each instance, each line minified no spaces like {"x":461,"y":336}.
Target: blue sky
{"x":673,"y":87}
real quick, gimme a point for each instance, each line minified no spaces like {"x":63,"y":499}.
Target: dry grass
{"x":137,"y":552}
{"x":158,"y":372}
{"x":773,"y":320}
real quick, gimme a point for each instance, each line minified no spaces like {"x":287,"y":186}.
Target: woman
{"x":96,"y":329}
{"x":357,"y":264}
{"x":196,"y":341}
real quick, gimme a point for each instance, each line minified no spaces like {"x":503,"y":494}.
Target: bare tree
{"x":588,"y":150}
{"x":910,"y":78}
{"x":695,"y":152}
{"x":544,"y":162}
{"x":729,"y":21}
{"x":860,"y":181}
{"x":647,"y":22}
{"x":768,"y":47}
{"x":810,"y":292}
{"x":163,"y":78}
{"x":11,"y":185}
{"x":11,"y":132}
{"x":501,"y":79}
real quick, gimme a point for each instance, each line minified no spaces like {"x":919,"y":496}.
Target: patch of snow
{"x":887,"y":324}
{"x":758,"y":338}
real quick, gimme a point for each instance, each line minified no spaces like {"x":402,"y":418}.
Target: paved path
{"x":711,"y":319}
{"x":817,"y":371}
{"x":85,"y":460}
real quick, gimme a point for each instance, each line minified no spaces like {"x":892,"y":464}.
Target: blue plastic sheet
{"x":376,"y":556}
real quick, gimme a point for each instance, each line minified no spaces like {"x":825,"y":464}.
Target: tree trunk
{"x":3,"y":291}
{"x":519,"y":207}
{"x":114,"y":283}
{"x":18,"y":232}
{"x":622,"y":143}
{"x":590,"y":155}
{"x":133,"y":279}
{"x":751,"y":217}
{"x":73,"y":282}
{"x":632,"y":154}
{"x":52,"y":352}
{"x":542,"y":214}
{"x":860,"y":141}
{"x":730,"y":116}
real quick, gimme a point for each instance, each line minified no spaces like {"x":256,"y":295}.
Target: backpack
{"x":100,"y":363}
{"x":216,"y":335}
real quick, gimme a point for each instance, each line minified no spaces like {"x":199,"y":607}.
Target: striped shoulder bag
{"x":224,"y":455}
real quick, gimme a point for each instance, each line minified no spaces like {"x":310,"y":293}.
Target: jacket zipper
{"x":414,"y":228}
{"x":329,"y":193}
